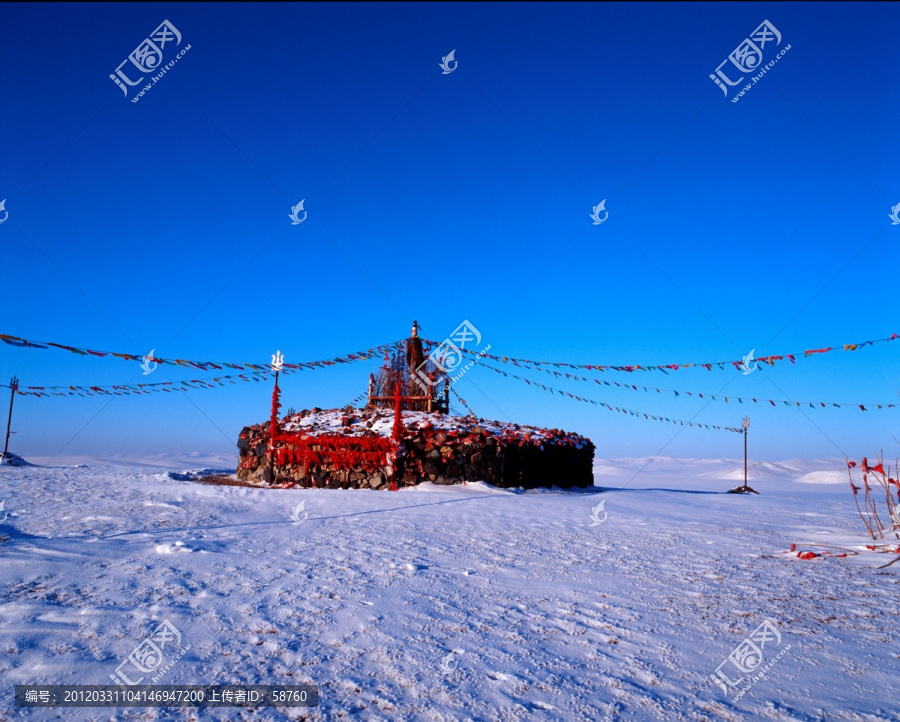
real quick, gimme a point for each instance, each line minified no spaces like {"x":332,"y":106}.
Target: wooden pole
{"x":13,"y":386}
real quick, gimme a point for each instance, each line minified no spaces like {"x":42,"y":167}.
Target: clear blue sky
{"x":163,"y":224}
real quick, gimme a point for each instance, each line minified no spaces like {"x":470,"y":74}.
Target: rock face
{"x":435,"y":447}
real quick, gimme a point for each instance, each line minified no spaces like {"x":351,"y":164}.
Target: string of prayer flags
{"x":666,"y":368}
{"x":462,"y":401}
{"x":138,"y":389}
{"x":710,"y":397}
{"x":611,"y":407}
{"x":678,"y":394}
{"x":368,"y":354}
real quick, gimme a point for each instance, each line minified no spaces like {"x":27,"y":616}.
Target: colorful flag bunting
{"x":634,"y":387}
{"x":204,"y":365}
{"x":674,"y":367}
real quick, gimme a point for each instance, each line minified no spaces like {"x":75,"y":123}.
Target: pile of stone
{"x":435,"y":447}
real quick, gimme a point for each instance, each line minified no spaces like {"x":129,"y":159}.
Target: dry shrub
{"x":877,"y":482}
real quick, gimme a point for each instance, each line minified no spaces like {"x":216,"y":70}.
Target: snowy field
{"x":464,"y":602}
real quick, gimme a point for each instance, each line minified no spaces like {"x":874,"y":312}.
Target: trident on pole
{"x":745,"y":422}
{"x":277,"y":365}
{"x":13,"y":386}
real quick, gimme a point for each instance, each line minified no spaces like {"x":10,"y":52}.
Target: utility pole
{"x":746,"y":425}
{"x":13,"y":386}
{"x":745,"y":489}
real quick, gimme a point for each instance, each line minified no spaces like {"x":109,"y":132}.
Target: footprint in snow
{"x":161,"y":504}
{"x":410,"y":567}
{"x":172,"y":548}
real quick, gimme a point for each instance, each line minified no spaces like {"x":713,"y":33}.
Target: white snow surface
{"x":550,"y":613}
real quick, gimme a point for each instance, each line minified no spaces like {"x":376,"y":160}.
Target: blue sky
{"x":163,"y":224}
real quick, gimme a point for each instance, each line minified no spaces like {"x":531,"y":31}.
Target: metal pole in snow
{"x":277,"y":365}
{"x":745,"y":458}
{"x":745,"y":489}
{"x":272,"y":440}
{"x":13,"y":386}
{"x":745,"y":422}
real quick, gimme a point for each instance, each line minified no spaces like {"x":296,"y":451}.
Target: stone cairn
{"x":416,"y":441}
{"x":433,"y":447}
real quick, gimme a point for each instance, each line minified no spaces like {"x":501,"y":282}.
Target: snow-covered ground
{"x":553,"y":606}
